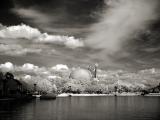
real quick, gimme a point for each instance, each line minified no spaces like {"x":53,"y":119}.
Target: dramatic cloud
{"x":69,"y":42}
{"x":19,"y":31}
{"x":33,"y":15}
{"x":35,"y":36}
{"x":109,"y":26}
{"x":120,"y":22}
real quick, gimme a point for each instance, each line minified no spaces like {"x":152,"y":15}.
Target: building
{"x":11,"y":87}
{"x":84,"y":74}
{"x":81,"y":74}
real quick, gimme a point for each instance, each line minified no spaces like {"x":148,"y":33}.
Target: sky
{"x":116,"y":34}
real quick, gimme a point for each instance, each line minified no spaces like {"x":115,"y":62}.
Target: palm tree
{"x":9,"y":76}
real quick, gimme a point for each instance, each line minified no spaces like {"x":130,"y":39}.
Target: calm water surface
{"x":84,"y":108}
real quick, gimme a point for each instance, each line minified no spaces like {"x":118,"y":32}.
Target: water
{"x":84,"y":108}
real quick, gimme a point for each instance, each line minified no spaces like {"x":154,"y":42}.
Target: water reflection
{"x":84,"y":108}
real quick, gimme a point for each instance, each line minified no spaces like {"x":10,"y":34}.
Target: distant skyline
{"x":117,"y":34}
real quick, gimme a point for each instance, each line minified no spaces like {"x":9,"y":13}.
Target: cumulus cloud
{"x":60,"y":67}
{"x":16,"y":50}
{"x":19,"y":31}
{"x":28,"y":70}
{"x":8,"y":66}
{"x":69,"y":42}
{"x":28,"y":66}
{"x":35,"y":36}
{"x":27,"y":77}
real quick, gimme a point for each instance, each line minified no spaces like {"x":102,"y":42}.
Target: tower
{"x":95,"y":70}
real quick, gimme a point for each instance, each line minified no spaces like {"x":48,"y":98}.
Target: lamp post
{"x":35,"y":87}
{"x":4,"y":88}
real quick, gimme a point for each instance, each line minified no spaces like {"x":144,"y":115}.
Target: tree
{"x":9,"y":76}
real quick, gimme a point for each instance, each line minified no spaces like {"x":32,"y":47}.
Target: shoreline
{"x":105,"y":95}
{"x":96,"y":95}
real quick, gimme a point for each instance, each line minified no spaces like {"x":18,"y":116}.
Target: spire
{"x":95,"y":70}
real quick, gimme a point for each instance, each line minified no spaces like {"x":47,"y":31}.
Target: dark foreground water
{"x":83,"y":108}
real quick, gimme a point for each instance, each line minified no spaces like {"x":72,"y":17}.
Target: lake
{"x":83,"y":108}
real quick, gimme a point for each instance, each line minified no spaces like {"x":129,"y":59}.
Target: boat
{"x":48,"y":96}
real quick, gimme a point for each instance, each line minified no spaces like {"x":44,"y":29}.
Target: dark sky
{"x":6,"y":4}
{"x":74,"y":18}
{"x":69,"y":8}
